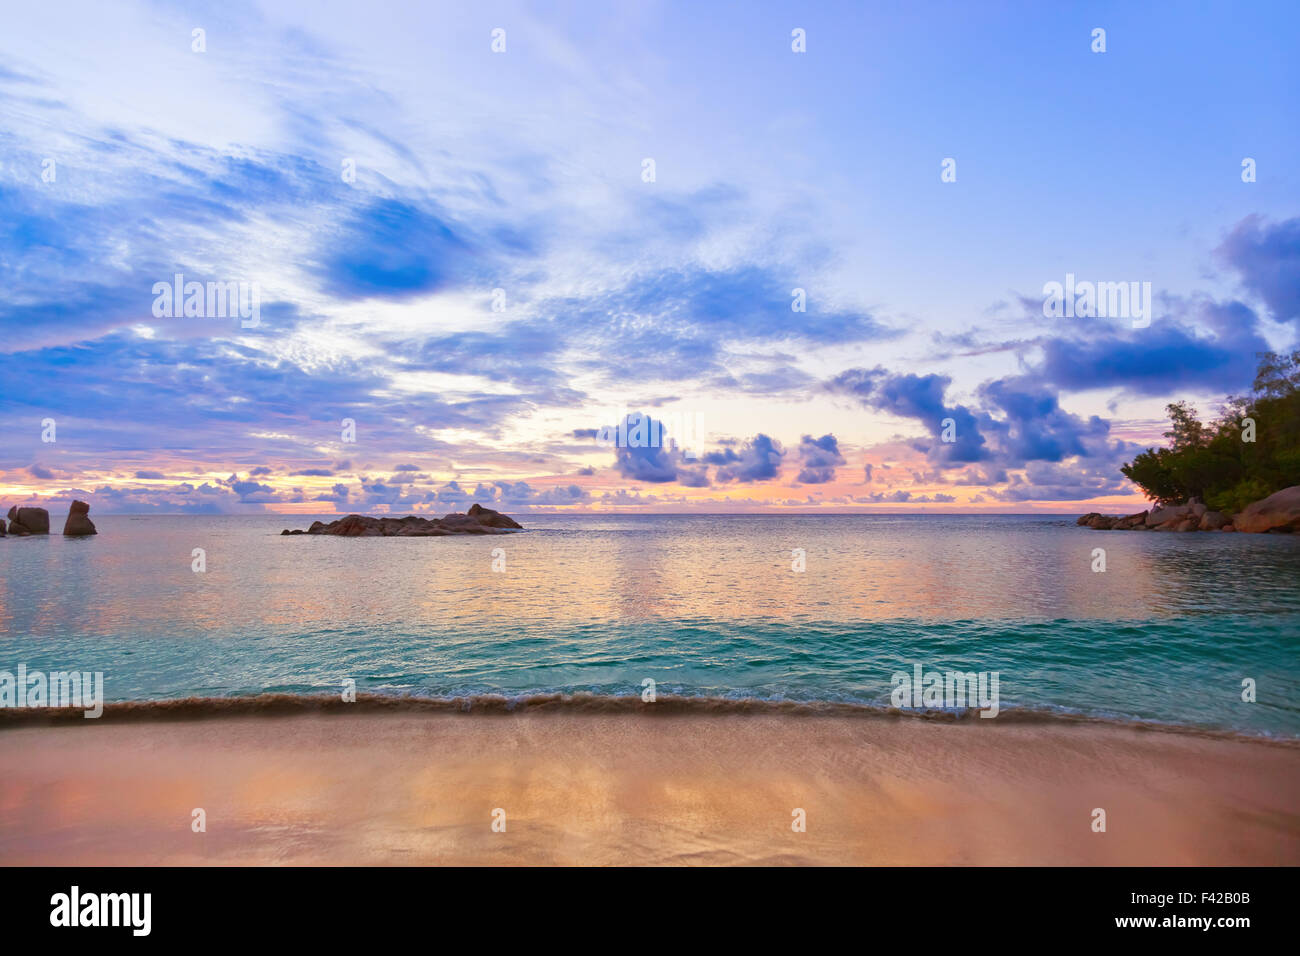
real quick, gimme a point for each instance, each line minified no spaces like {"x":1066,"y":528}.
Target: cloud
{"x":1169,"y":356}
{"x":394,"y":248}
{"x":1034,"y":427}
{"x":693,"y":477}
{"x":1018,"y":424}
{"x":337,"y":495}
{"x":642,"y":449}
{"x":251,"y":491}
{"x":1054,"y":482}
{"x":818,"y":456}
{"x":904,"y":497}
{"x":920,"y":397}
{"x":758,"y":459}
{"x":1266,"y":256}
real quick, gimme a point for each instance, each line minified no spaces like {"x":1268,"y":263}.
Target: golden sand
{"x":635,"y":789}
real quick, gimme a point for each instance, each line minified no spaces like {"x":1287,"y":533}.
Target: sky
{"x":807,"y":249}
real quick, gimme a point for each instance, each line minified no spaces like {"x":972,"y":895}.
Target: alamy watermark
{"x":1098,"y":300}
{"x":945,"y":690}
{"x":77,"y":908}
{"x":81,"y":689}
{"x":211,"y":300}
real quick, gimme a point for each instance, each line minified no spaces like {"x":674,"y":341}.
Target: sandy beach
{"x":610,"y":789}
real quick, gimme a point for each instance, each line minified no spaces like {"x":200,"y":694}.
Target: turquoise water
{"x":704,"y":606}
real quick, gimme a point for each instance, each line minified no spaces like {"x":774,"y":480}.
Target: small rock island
{"x":478,"y":520}
{"x":25,"y":522}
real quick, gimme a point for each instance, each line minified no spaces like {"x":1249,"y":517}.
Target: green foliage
{"x":1213,"y":461}
{"x":1150,"y":472}
{"x":1233,"y":499}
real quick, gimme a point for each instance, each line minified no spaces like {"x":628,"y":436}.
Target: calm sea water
{"x":706,"y":606}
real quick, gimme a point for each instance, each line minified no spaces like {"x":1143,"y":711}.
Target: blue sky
{"x":522,"y":171}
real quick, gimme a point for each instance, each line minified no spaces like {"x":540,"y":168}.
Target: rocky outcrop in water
{"x":25,"y":521}
{"x":479,"y":520}
{"x":1279,"y":512}
{"x":79,"y":524}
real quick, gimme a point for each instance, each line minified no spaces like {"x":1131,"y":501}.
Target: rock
{"x":1280,"y":511}
{"x":354,"y":526}
{"x":1129,"y":522}
{"x":1198,"y":509}
{"x":1187,"y":524}
{"x":79,"y":523}
{"x":29,"y":520}
{"x":1101,"y":522}
{"x":1214,"y":521}
{"x":480,"y":520}
{"x":1159,"y":516}
{"x":494,"y":519}
{"x":1228,"y":527}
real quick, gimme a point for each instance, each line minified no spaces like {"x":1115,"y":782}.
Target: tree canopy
{"x":1249,"y":452}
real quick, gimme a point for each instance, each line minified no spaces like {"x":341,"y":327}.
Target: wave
{"x":281,"y":704}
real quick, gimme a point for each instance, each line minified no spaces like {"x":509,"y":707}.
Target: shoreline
{"x":278,"y":705}
{"x":405,"y":788}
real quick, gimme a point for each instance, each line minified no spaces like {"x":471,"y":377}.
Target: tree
{"x":1278,"y":375}
{"x":1217,"y":462}
{"x":1185,"y":431}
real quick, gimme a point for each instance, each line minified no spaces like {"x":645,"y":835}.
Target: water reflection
{"x":135,"y":578}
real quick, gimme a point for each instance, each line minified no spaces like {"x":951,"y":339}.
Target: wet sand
{"x":633,"y":789}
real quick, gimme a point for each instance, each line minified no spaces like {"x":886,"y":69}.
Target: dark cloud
{"x":642,"y":449}
{"x":1019,"y":423}
{"x":758,"y":459}
{"x":819,"y":457}
{"x":1266,"y":256}
{"x":919,"y":397}
{"x":394,"y":249}
{"x":1170,"y":356}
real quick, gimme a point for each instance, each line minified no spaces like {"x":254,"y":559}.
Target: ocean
{"x":709,"y":608}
